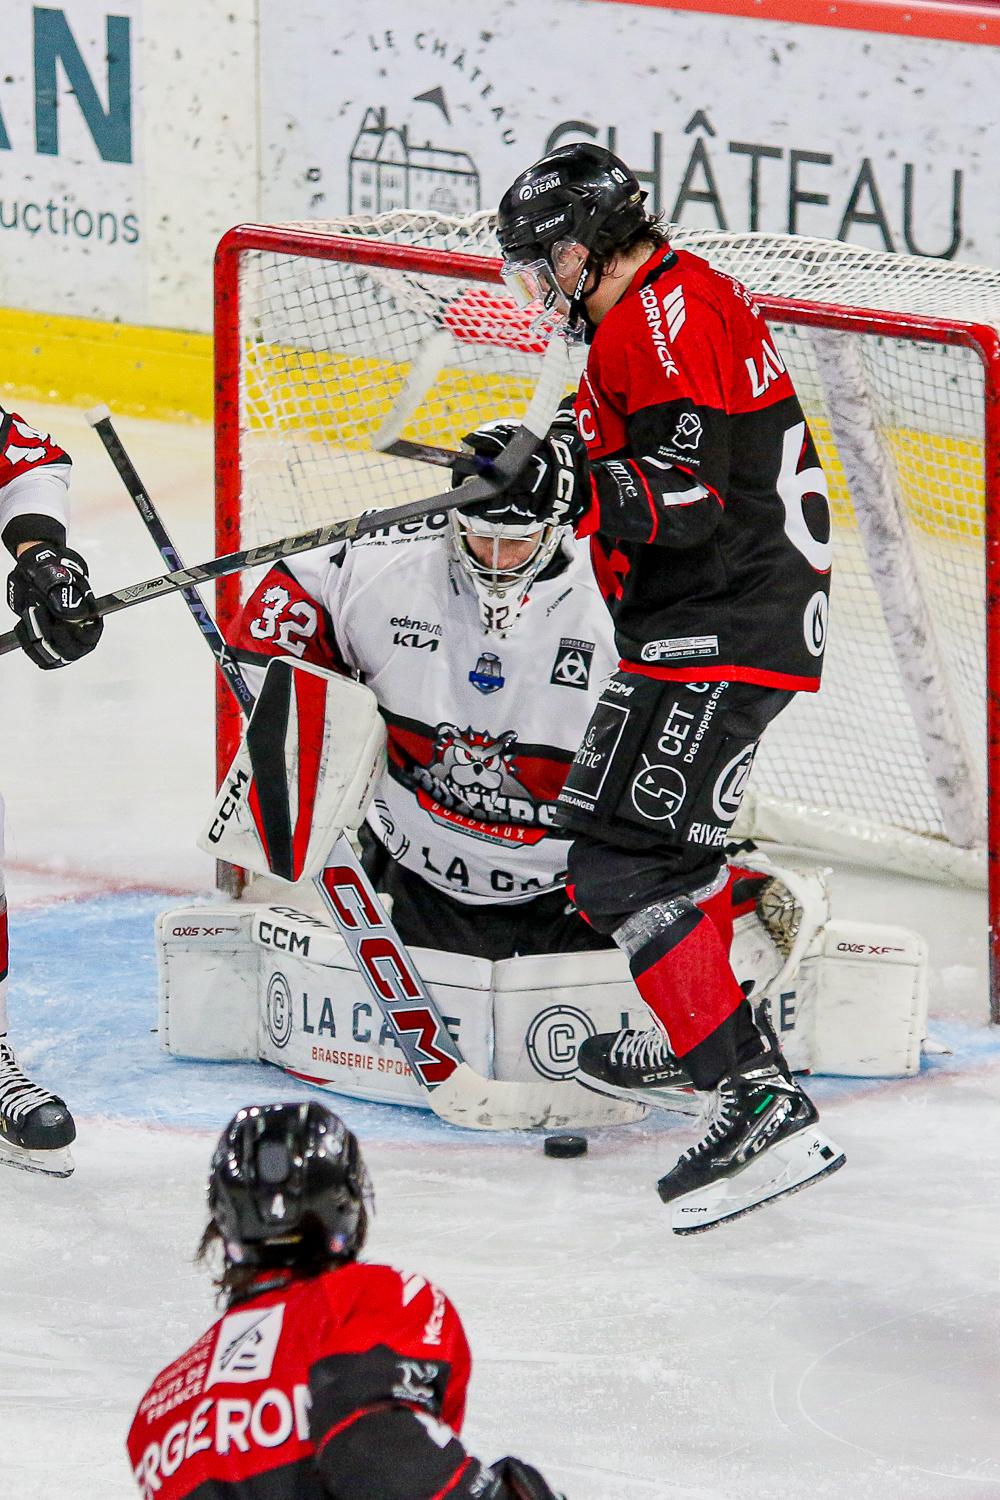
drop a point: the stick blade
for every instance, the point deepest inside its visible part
(466, 1098)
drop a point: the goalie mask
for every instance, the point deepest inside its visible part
(501, 555)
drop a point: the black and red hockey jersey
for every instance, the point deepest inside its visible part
(34, 476)
(351, 1383)
(710, 521)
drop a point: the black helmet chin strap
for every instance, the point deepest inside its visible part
(578, 311)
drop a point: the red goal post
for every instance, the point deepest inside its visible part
(330, 336)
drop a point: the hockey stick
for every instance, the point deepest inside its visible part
(500, 475)
(428, 453)
(424, 370)
(455, 1091)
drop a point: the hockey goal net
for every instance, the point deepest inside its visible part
(332, 339)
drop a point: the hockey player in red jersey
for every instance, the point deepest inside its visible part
(325, 1376)
(691, 469)
(50, 593)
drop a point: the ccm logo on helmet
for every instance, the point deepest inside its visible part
(225, 1425)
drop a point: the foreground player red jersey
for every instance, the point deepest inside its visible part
(324, 1377)
(273, 1400)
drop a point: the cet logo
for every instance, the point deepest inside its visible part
(279, 1010)
(814, 623)
(657, 793)
(732, 784)
(554, 1037)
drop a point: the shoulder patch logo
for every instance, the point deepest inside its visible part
(412, 1287)
(688, 434)
(571, 667)
(673, 307)
(246, 1346)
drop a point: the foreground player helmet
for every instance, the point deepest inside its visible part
(284, 1176)
(579, 195)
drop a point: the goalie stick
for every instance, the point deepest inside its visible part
(536, 423)
(455, 1091)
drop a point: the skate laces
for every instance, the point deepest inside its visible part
(720, 1113)
(640, 1049)
(18, 1095)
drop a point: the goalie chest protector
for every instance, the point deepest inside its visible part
(481, 729)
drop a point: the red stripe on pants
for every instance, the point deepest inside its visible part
(719, 910)
(692, 989)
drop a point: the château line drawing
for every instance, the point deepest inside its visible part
(386, 171)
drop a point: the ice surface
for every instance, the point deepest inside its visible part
(844, 1344)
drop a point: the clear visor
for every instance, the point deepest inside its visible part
(534, 283)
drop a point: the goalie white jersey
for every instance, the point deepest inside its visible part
(481, 729)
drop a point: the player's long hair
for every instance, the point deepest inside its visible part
(305, 1254)
(653, 231)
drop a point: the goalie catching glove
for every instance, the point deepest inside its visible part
(553, 488)
(50, 591)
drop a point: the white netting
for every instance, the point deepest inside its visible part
(335, 354)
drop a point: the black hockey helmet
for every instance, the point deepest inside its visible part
(579, 194)
(288, 1178)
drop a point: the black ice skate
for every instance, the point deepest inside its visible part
(36, 1128)
(636, 1065)
(761, 1143)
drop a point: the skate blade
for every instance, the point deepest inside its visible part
(682, 1101)
(787, 1168)
(56, 1163)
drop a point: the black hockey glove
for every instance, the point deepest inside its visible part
(519, 1481)
(51, 592)
(552, 489)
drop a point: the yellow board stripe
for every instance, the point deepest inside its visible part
(139, 372)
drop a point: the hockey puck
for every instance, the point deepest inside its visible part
(565, 1145)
